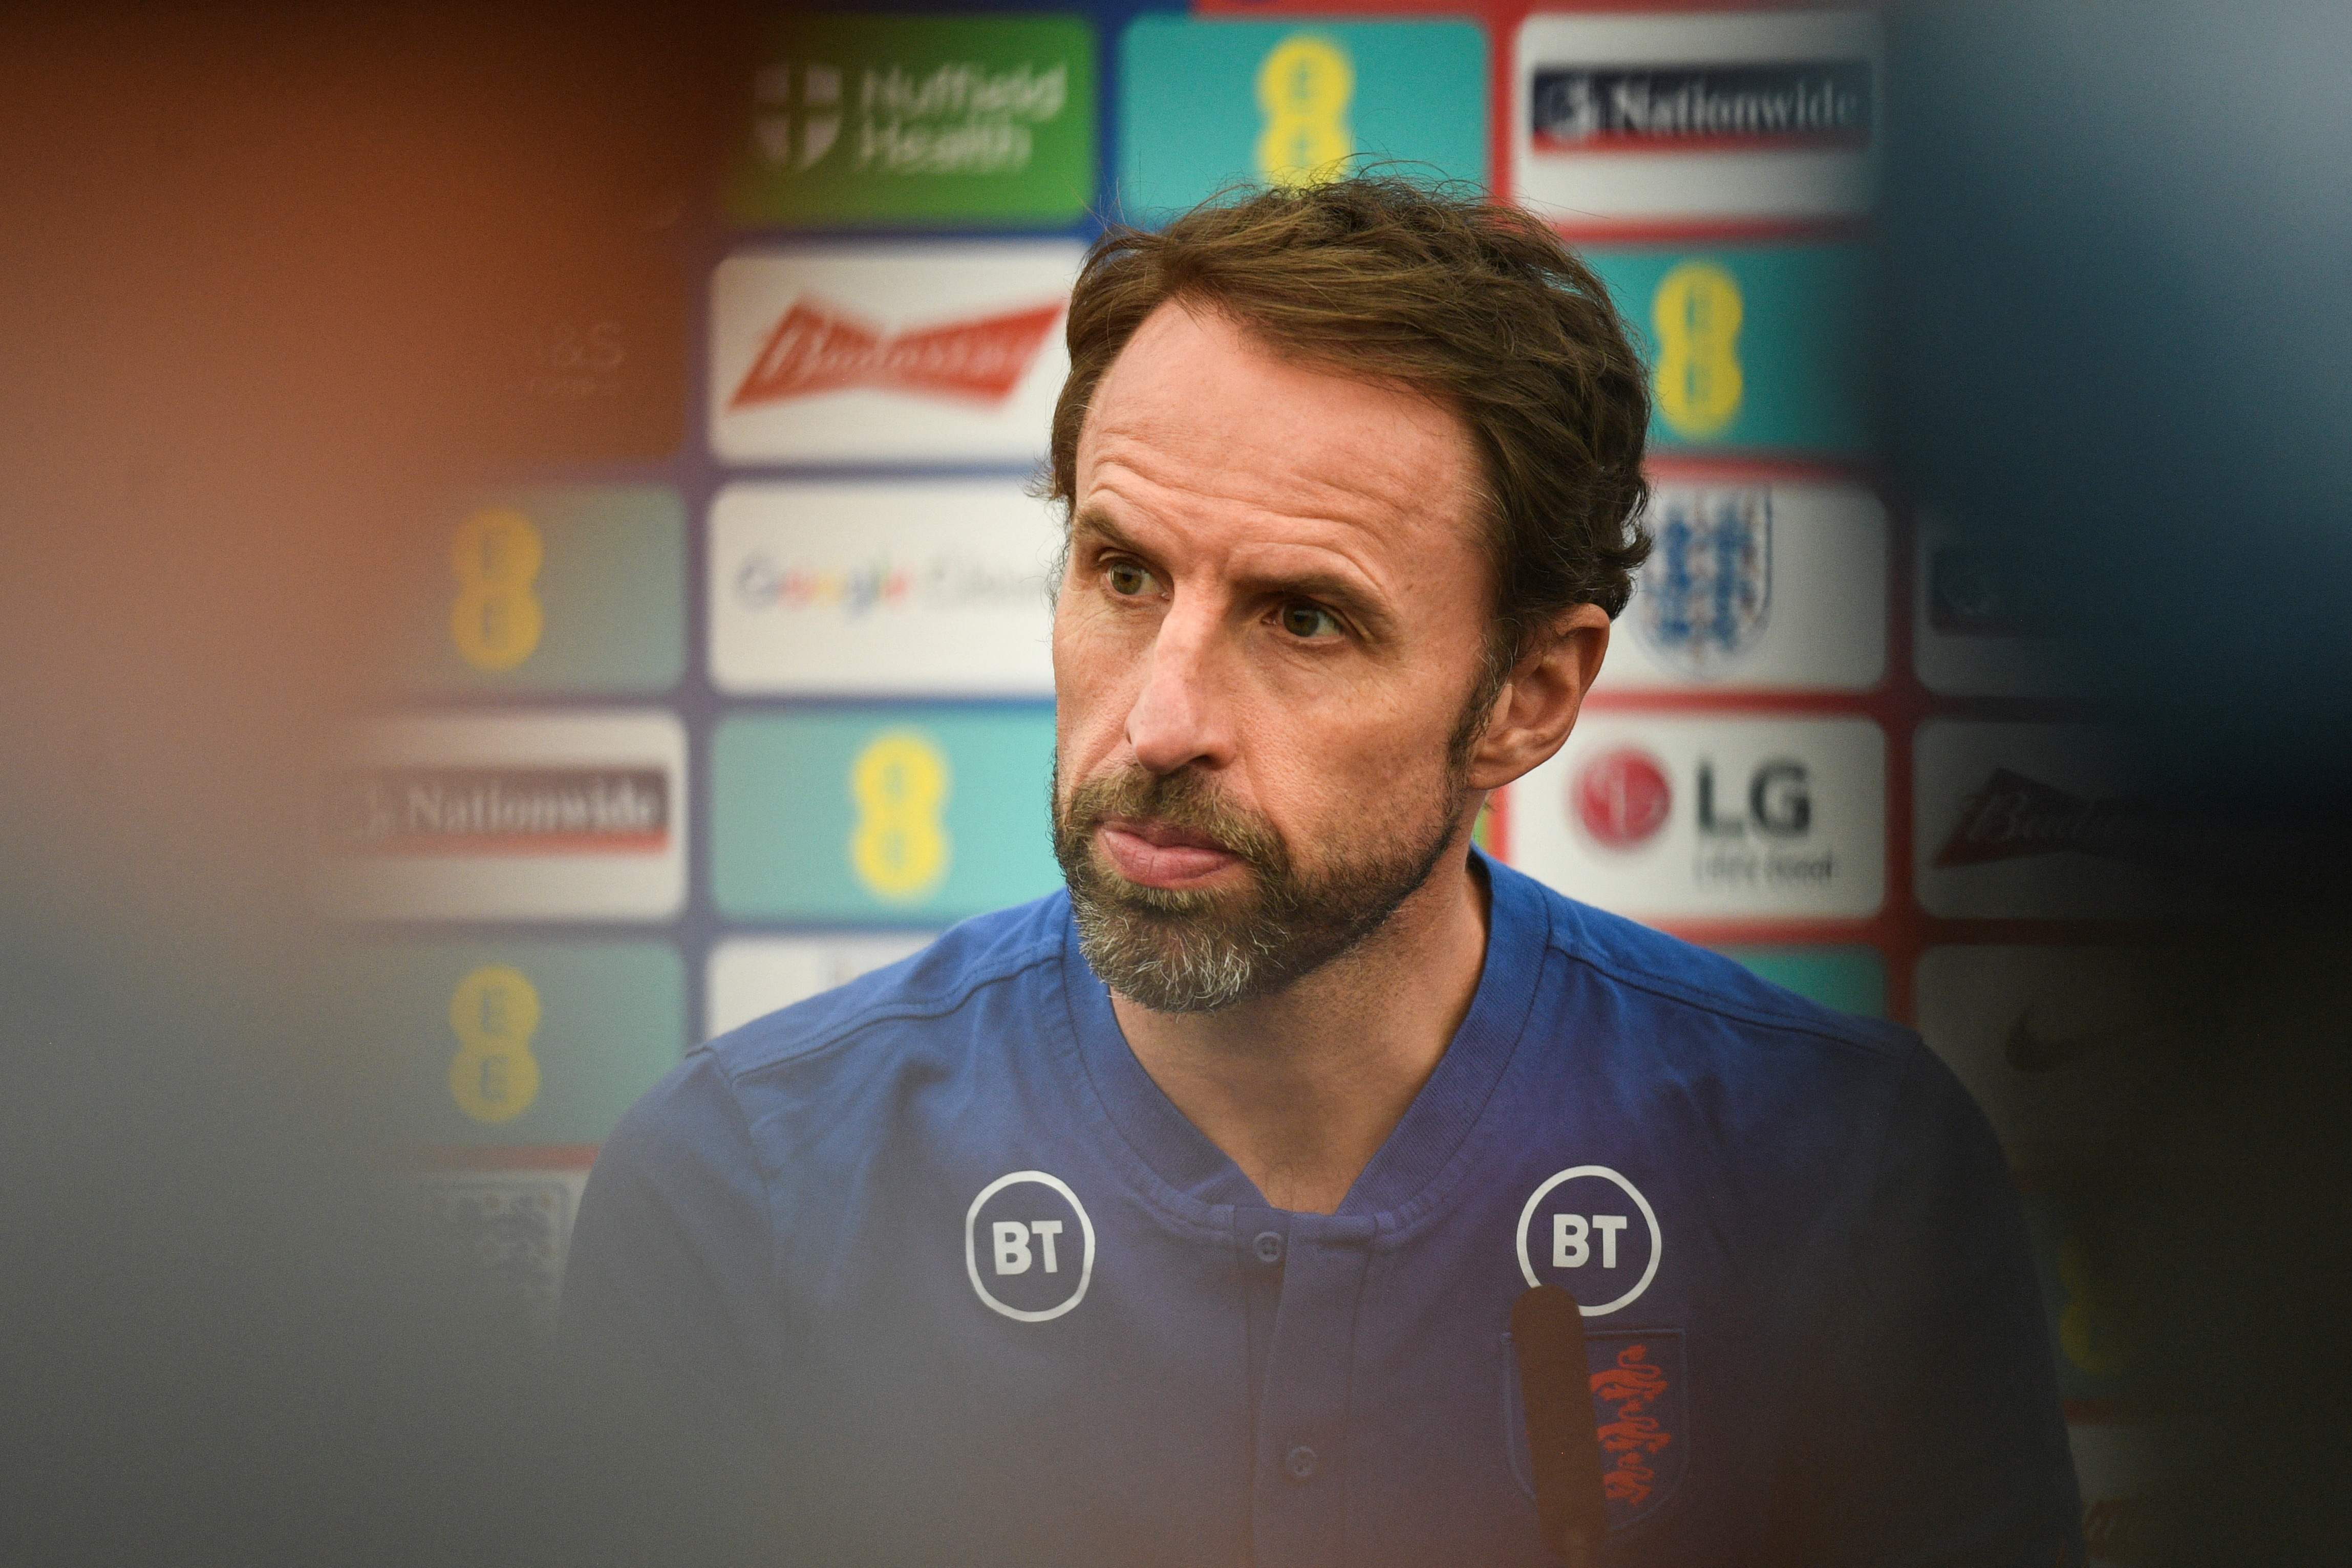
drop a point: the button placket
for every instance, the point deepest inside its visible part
(1298, 1507)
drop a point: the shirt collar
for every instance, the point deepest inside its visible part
(1433, 1126)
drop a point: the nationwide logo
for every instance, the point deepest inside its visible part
(2013, 817)
(498, 810)
(1705, 592)
(1741, 108)
(940, 582)
(958, 117)
(817, 348)
(1621, 798)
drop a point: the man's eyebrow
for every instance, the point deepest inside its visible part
(1091, 526)
(1095, 526)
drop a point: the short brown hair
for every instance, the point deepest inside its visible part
(1476, 305)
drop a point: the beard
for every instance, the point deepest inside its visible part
(1196, 950)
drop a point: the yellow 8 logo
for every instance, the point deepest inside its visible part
(1305, 84)
(494, 1012)
(899, 847)
(1697, 311)
(497, 619)
(2087, 1330)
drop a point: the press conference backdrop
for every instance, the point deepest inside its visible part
(743, 699)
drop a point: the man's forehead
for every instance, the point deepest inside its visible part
(1198, 405)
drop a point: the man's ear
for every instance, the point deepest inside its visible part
(1537, 704)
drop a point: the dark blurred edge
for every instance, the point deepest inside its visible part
(2118, 328)
(275, 281)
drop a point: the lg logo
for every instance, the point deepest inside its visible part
(1780, 802)
(1622, 798)
(1024, 1268)
(1604, 1236)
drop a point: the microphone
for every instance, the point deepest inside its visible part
(1563, 1448)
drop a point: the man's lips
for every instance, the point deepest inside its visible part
(1158, 854)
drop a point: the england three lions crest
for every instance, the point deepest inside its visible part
(1706, 590)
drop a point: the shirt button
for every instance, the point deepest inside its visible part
(1268, 1247)
(1300, 1462)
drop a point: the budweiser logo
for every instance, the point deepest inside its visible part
(817, 348)
(2013, 816)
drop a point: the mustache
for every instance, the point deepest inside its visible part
(1185, 799)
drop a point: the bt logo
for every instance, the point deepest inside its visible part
(1028, 1247)
(1590, 1230)
(1012, 1253)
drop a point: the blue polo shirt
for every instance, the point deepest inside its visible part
(937, 1245)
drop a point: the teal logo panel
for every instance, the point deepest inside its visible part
(915, 815)
(1752, 348)
(577, 588)
(2091, 1326)
(513, 1042)
(1203, 104)
(1850, 979)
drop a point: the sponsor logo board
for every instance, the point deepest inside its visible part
(2092, 1324)
(2046, 1038)
(1623, 117)
(512, 1229)
(1203, 104)
(864, 587)
(926, 353)
(512, 1041)
(1752, 346)
(556, 589)
(751, 977)
(1765, 585)
(1687, 817)
(1985, 619)
(933, 119)
(2033, 821)
(908, 815)
(507, 817)
(2115, 1467)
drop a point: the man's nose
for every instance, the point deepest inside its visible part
(1182, 714)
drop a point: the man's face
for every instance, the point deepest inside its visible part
(1272, 618)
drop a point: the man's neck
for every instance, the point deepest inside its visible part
(1301, 1088)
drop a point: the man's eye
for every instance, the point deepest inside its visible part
(1304, 620)
(1126, 579)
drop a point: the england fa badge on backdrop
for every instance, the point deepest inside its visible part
(1706, 590)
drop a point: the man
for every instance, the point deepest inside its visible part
(1178, 1218)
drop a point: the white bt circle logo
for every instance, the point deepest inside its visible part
(1590, 1230)
(1028, 1247)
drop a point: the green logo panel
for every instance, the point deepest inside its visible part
(1206, 103)
(882, 815)
(1850, 979)
(884, 121)
(1752, 346)
(553, 589)
(521, 1042)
